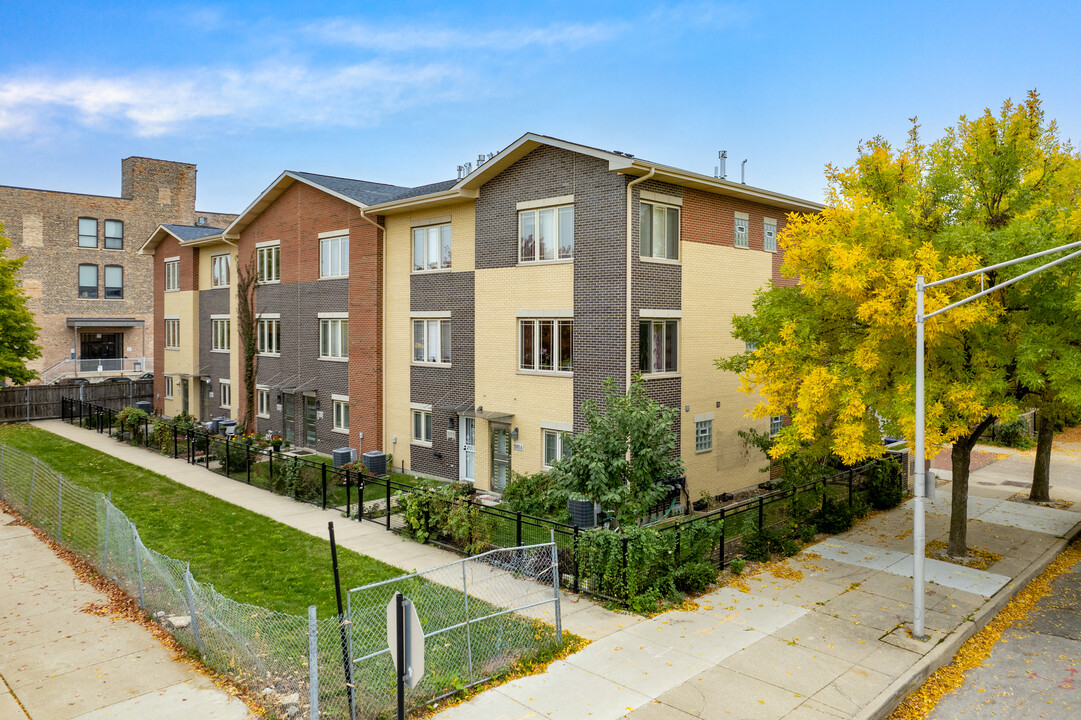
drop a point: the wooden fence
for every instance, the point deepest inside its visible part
(42, 402)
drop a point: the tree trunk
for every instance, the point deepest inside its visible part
(1041, 471)
(961, 457)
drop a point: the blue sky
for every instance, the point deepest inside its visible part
(403, 92)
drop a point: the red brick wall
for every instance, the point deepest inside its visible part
(189, 280)
(366, 333)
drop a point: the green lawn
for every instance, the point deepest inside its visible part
(247, 556)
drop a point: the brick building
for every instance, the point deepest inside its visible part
(90, 291)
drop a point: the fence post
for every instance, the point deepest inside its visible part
(626, 593)
(348, 493)
(313, 664)
(427, 519)
(324, 474)
(247, 460)
(518, 530)
(146, 432)
(555, 584)
(105, 550)
(1, 472)
(387, 481)
(176, 450)
(227, 446)
(679, 541)
(30, 500)
(850, 471)
(27, 403)
(206, 452)
(110, 422)
(135, 542)
(761, 527)
(191, 611)
(724, 534)
(59, 506)
(577, 562)
(468, 637)
(270, 467)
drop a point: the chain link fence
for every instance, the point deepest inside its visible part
(295, 663)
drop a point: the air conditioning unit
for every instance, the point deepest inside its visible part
(376, 462)
(583, 512)
(343, 456)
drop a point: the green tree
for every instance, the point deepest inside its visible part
(837, 352)
(18, 333)
(247, 278)
(623, 459)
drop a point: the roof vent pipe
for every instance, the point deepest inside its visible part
(743, 172)
(721, 173)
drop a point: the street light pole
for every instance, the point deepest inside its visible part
(918, 526)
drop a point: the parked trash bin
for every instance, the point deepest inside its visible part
(227, 427)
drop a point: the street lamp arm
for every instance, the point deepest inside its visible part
(1033, 256)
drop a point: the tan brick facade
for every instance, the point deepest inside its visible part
(44, 226)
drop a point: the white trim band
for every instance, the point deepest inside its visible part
(545, 202)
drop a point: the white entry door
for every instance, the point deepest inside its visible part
(467, 461)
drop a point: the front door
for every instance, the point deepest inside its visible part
(468, 454)
(184, 401)
(310, 415)
(287, 416)
(500, 457)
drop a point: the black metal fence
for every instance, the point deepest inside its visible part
(400, 506)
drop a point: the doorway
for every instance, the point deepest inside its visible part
(467, 460)
(500, 457)
(288, 418)
(310, 416)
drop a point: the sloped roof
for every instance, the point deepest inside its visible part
(184, 233)
(363, 191)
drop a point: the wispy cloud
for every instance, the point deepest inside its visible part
(410, 38)
(272, 94)
(701, 15)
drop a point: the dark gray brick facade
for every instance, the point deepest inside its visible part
(214, 365)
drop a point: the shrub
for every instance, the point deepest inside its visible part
(1013, 434)
(435, 499)
(694, 577)
(470, 528)
(885, 484)
(162, 433)
(238, 456)
(759, 544)
(737, 566)
(807, 532)
(134, 421)
(537, 494)
(292, 480)
(835, 516)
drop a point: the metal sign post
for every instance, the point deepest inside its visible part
(405, 638)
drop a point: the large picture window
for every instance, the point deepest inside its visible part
(431, 248)
(268, 264)
(114, 282)
(658, 228)
(219, 271)
(219, 330)
(172, 334)
(269, 336)
(88, 282)
(546, 345)
(172, 275)
(431, 341)
(334, 257)
(334, 339)
(658, 343)
(114, 235)
(88, 232)
(546, 234)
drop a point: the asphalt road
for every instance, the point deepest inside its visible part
(1034, 670)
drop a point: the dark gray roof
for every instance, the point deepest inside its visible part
(425, 189)
(192, 232)
(367, 193)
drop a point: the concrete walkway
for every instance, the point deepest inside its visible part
(580, 615)
(61, 662)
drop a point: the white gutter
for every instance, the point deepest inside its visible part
(630, 243)
(383, 335)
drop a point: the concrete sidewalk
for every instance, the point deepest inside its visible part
(579, 614)
(61, 662)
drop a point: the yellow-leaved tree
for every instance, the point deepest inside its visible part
(837, 352)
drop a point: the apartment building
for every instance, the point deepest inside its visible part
(460, 326)
(91, 292)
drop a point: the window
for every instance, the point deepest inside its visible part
(219, 334)
(88, 232)
(422, 426)
(114, 235)
(334, 339)
(546, 234)
(431, 341)
(269, 336)
(114, 282)
(268, 264)
(172, 334)
(341, 413)
(262, 402)
(88, 281)
(658, 228)
(168, 387)
(334, 257)
(219, 271)
(553, 446)
(431, 248)
(769, 235)
(546, 345)
(703, 435)
(658, 342)
(741, 239)
(226, 393)
(172, 275)
(776, 422)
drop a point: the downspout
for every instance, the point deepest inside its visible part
(383, 335)
(630, 244)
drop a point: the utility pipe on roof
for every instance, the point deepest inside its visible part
(383, 333)
(630, 243)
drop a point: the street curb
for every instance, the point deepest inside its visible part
(888, 700)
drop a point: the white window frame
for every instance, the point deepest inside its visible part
(341, 411)
(268, 263)
(653, 255)
(172, 274)
(776, 422)
(422, 241)
(225, 389)
(334, 338)
(331, 249)
(559, 435)
(220, 338)
(262, 401)
(441, 325)
(769, 234)
(741, 231)
(533, 216)
(653, 321)
(424, 413)
(534, 324)
(703, 441)
(218, 264)
(172, 333)
(263, 324)
(168, 387)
